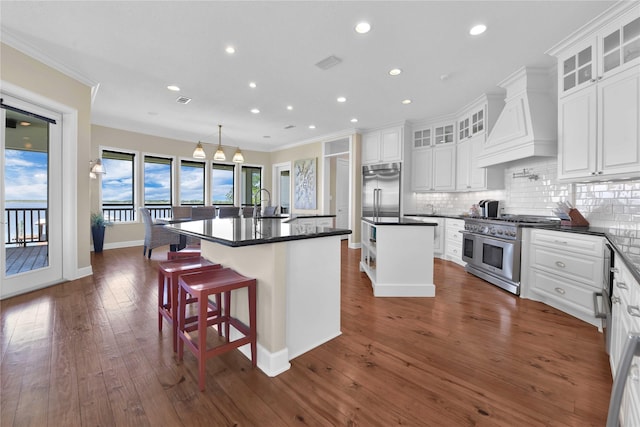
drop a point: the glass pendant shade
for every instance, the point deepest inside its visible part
(238, 157)
(219, 156)
(199, 153)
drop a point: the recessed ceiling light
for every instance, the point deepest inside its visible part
(230, 49)
(341, 99)
(173, 88)
(289, 107)
(255, 110)
(354, 120)
(406, 101)
(363, 28)
(312, 126)
(252, 85)
(478, 29)
(395, 72)
(25, 124)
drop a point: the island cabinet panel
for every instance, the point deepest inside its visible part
(398, 259)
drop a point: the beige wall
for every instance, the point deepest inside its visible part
(307, 151)
(148, 144)
(27, 73)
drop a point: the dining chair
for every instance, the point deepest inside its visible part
(179, 212)
(228, 212)
(247, 211)
(203, 212)
(269, 210)
(156, 235)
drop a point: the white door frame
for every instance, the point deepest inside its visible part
(67, 192)
(276, 168)
(326, 179)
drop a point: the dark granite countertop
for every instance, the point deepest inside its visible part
(450, 216)
(397, 221)
(247, 231)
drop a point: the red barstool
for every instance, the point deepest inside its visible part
(188, 252)
(200, 286)
(168, 273)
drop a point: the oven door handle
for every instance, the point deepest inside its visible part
(596, 307)
(488, 236)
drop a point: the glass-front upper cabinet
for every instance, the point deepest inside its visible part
(422, 138)
(444, 134)
(477, 122)
(463, 129)
(615, 47)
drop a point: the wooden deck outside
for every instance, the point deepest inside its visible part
(26, 258)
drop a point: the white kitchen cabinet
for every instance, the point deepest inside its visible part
(383, 146)
(471, 177)
(599, 98)
(599, 129)
(626, 320)
(563, 270)
(434, 168)
(453, 240)
(444, 167)
(422, 169)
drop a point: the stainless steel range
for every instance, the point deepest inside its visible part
(491, 247)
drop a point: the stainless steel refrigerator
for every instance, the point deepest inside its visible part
(381, 190)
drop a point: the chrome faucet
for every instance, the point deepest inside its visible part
(258, 193)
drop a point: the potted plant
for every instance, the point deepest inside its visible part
(98, 225)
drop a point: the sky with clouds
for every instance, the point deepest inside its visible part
(25, 175)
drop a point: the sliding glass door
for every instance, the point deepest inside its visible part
(31, 183)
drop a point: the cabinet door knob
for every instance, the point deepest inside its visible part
(614, 270)
(615, 300)
(593, 173)
(600, 172)
(560, 264)
(560, 291)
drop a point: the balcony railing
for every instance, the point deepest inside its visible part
(127, 213)
(28, 226)
(25, 226)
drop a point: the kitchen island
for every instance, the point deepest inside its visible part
(397, 255)
(298, 274)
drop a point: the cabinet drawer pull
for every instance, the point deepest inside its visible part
(615, 300)
(622, 285)
(633, 310)
(560, 264)
(560, 291)
(562, 242)
(634, 373)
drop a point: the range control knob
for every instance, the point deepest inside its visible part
(500, 231)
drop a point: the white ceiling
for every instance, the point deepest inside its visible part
(133, 50)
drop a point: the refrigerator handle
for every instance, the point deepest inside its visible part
(375, 202)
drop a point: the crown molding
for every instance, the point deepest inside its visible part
(11, 39)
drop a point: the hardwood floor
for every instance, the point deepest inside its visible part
(88, 352)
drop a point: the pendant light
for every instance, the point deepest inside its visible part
(199, 153)
(219, 156)
(238, 157)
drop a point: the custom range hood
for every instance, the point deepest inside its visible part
(528, 124)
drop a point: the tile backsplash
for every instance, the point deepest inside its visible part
(604, 204)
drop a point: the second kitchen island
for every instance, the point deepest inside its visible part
(297, 269)
(397, 255)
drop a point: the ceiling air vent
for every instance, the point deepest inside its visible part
(328, 62)
(183, 100)
(289, 126)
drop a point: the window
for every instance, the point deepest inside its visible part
(117, 186)
(222, 184)
(251, 183)
(191, 182)
(157, 183)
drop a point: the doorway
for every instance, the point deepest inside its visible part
(31, 182)
(281, 186)
(338, 195)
